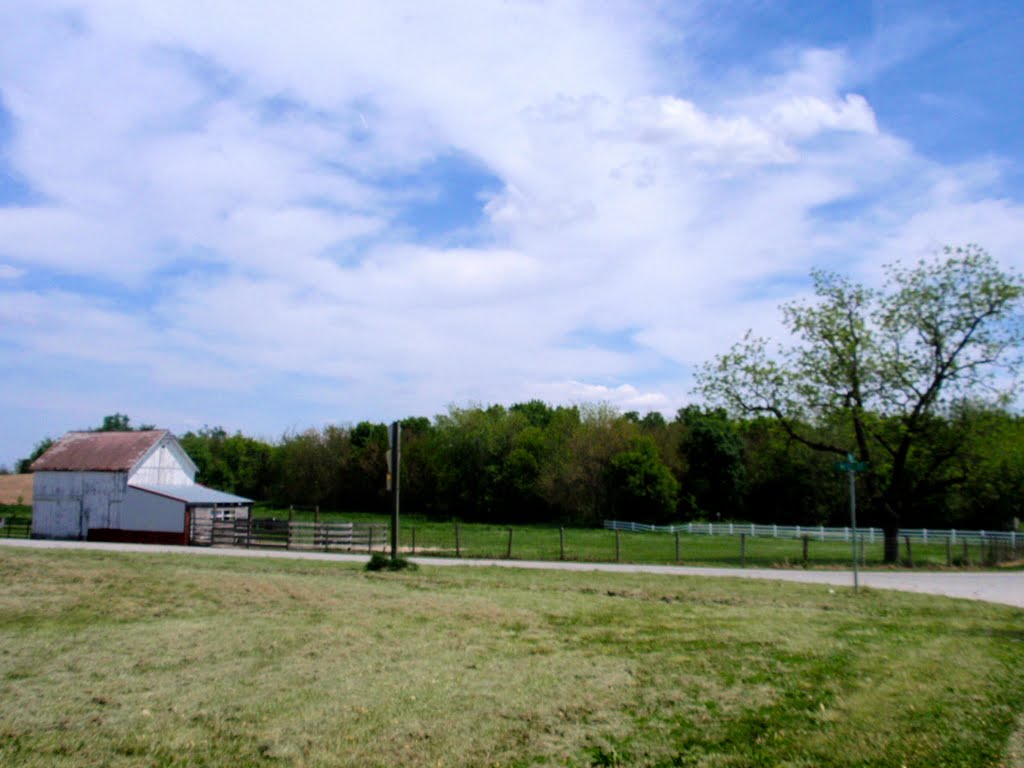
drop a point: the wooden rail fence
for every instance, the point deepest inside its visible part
(284, 534)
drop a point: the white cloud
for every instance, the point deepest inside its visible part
(236, 190)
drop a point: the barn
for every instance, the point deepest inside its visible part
(123, 486)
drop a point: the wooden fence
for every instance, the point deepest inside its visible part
(284, 534)
(15, 527)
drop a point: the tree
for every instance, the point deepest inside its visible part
(25, 465)
(882, 365)
(714, 477)
(642, 486)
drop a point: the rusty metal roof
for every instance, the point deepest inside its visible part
(98, 451)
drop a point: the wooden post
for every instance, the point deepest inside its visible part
(508, 553)
(316, 514)
(561, 543)
(949, 552)
(743, 550)
(806, 541)
(677, 546)
(618, 547)
(369, 538)
(910, 554)
(395, 466)
(414, 539)
(291, 512)
(458, 543)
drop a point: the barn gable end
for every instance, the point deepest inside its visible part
(166, 463)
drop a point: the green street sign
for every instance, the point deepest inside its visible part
(851, 465)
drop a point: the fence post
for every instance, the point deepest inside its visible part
(775, 531)
(618, 547)
(910, 554)
(458, 543)
(677, 546)
(369, 538)
(743, 550)
(924, 535)
(806, 540)
(414, 540)
(291, 512)
(316, 514)
(561, 543)
(508, 554)
(949, 552)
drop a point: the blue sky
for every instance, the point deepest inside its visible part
(280, 215)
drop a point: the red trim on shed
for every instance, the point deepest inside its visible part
(178, 538)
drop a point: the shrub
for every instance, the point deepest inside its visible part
(381, 562)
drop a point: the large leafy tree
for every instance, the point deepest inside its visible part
(642, 486)
(883, 364)
(715, 476)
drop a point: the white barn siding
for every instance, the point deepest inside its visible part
(152, 512)
(167, 464)
(66, 505)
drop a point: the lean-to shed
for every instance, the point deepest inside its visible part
(123, 486)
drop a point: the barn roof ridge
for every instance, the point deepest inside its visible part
(83, 451)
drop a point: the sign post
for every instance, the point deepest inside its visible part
(394, 476)
(851, 466)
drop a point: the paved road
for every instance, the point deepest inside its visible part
(1005, 587)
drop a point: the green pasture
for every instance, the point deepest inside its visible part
(426, 537)
(544, 542)
(110, 659)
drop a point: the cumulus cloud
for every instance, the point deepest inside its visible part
(244, 193)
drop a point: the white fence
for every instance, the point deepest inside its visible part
(820, 532)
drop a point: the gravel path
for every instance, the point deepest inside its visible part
(1005, 587)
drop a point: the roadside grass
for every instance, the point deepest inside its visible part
(173, 660)
(543, 542)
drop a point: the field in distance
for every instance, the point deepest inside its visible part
(167, 660)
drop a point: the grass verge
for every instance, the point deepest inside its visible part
(161, 660)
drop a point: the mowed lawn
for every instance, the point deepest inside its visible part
(177, 660)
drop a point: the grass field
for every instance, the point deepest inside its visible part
(545, 542)
(542, 542)
(163, 660)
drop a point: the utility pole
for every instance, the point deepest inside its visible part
(394, 479)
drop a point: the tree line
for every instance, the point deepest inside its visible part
(580, 465)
